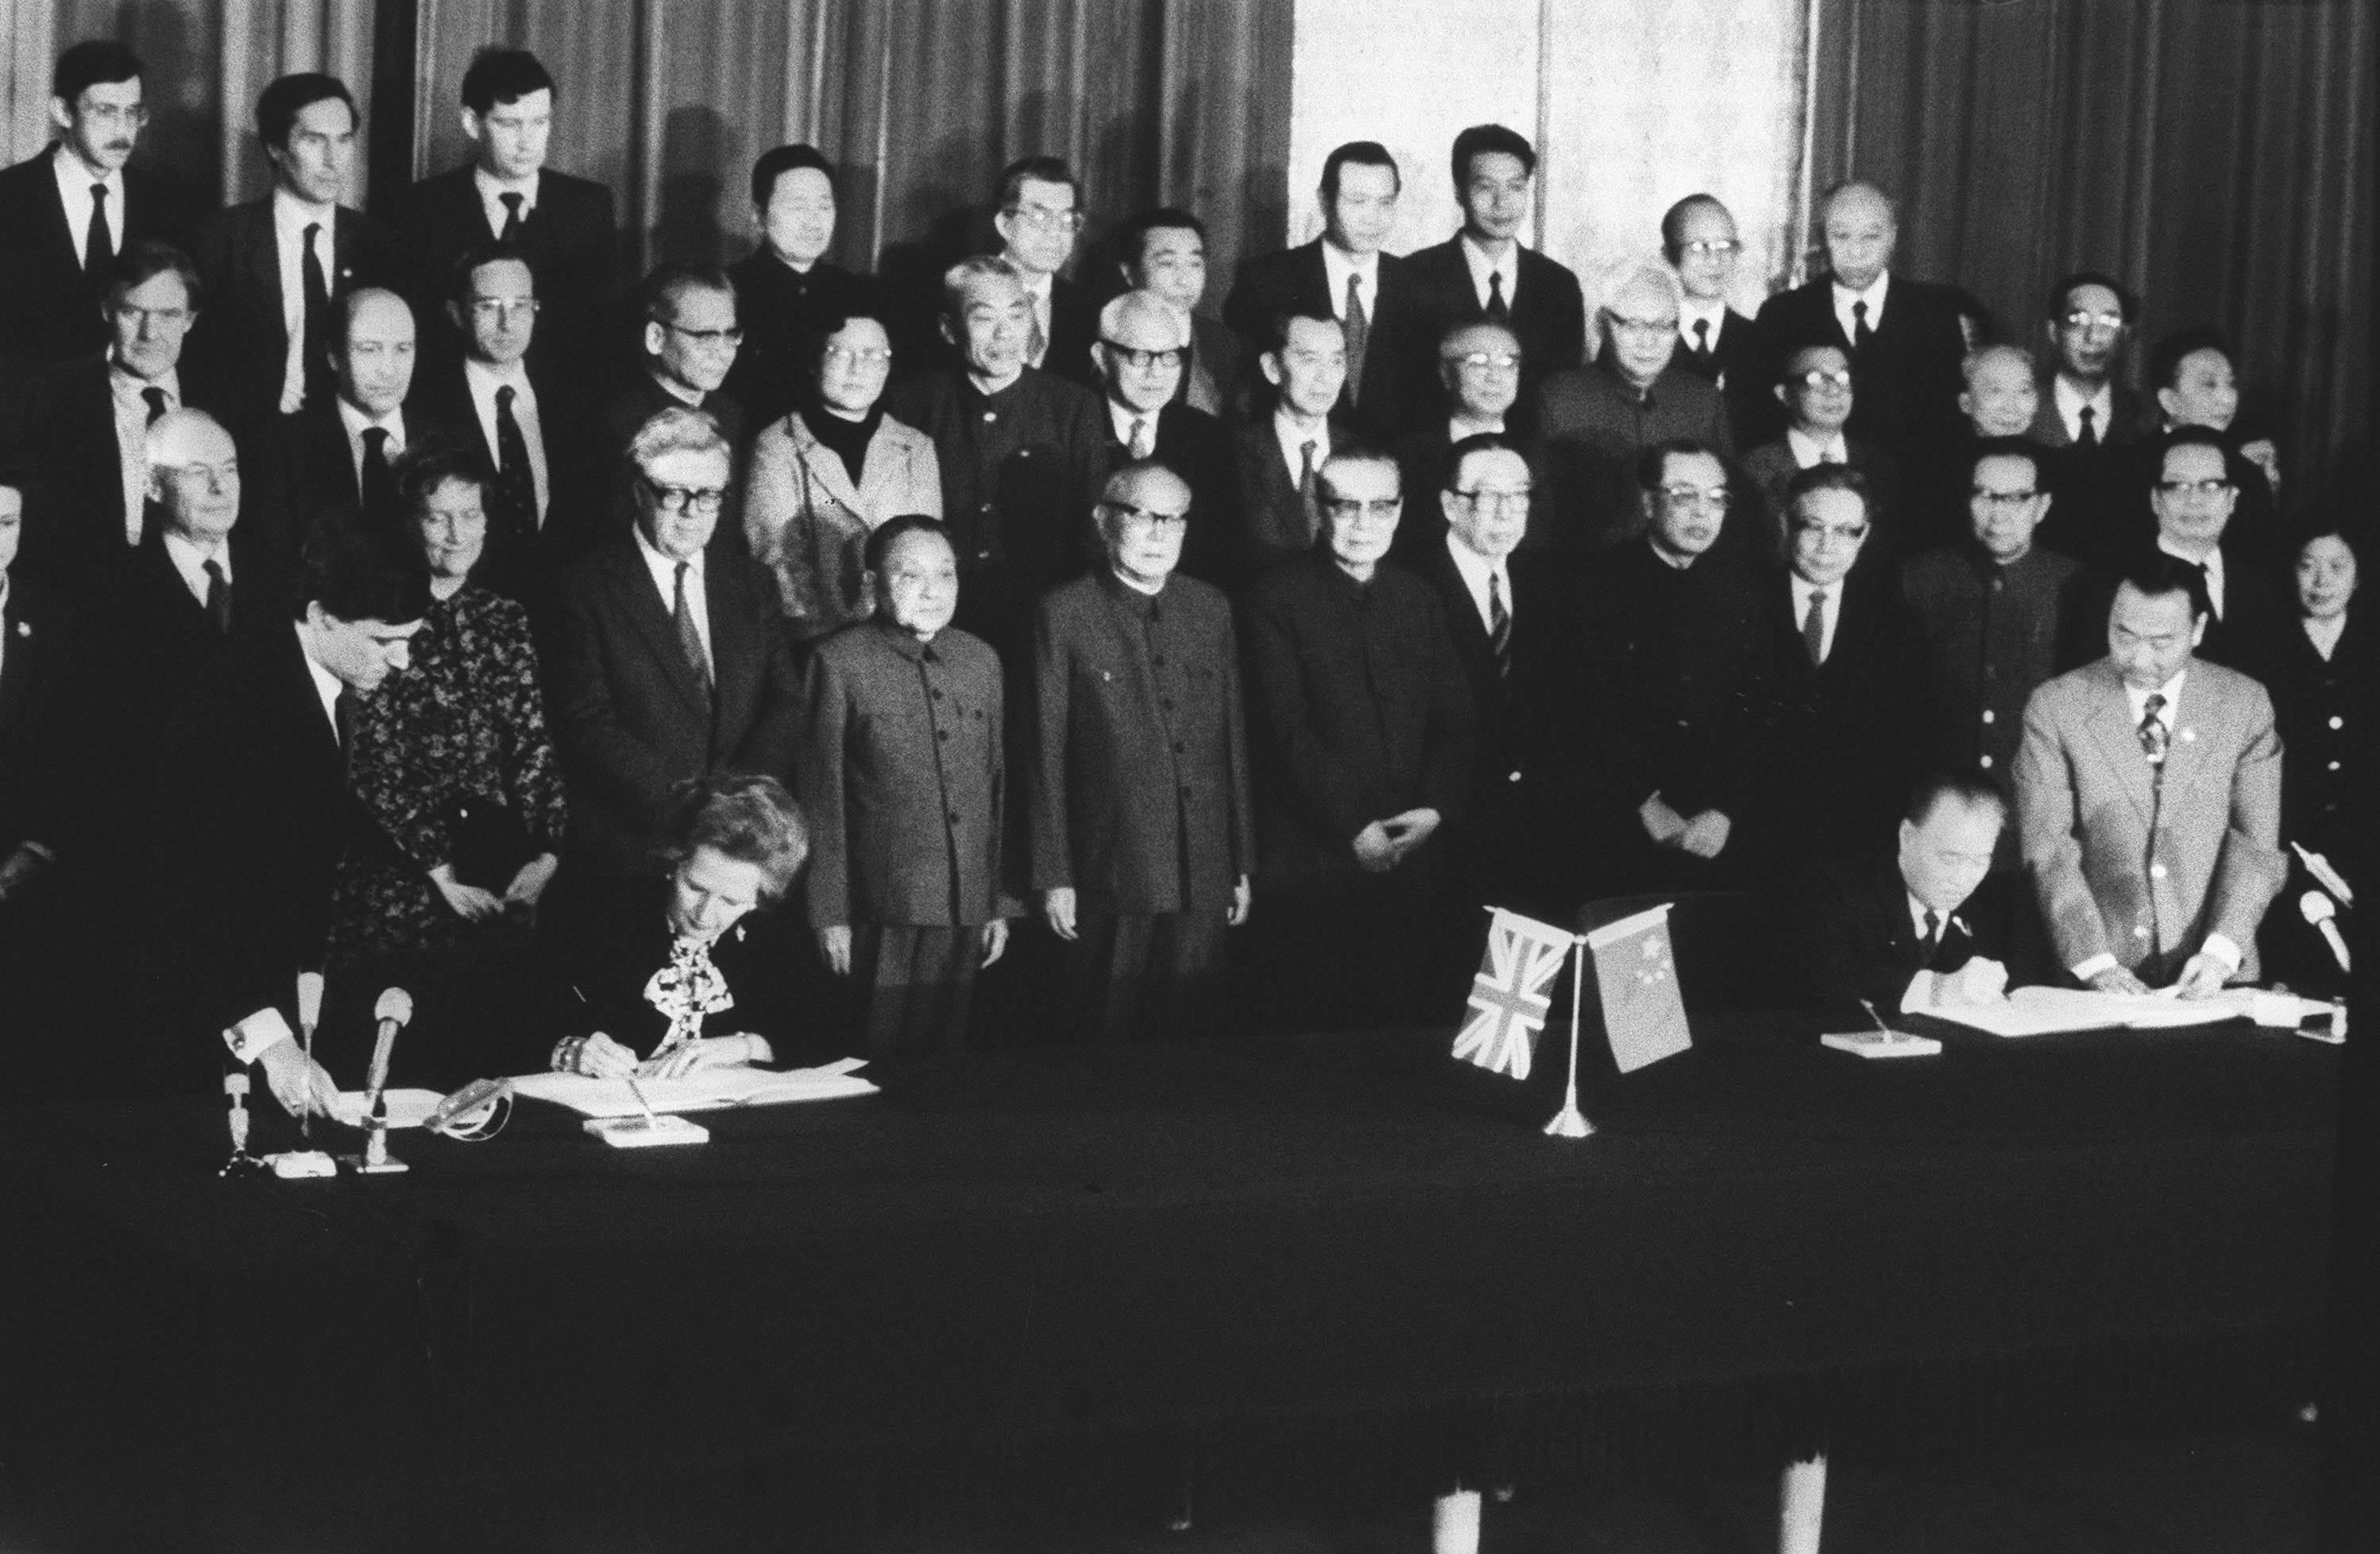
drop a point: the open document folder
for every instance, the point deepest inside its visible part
(2040, 1011)
(706, 1089)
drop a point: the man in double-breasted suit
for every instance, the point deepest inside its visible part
(2149, 788)
(1143, 833)
(270, 268)
(901, 775)
(667, 661)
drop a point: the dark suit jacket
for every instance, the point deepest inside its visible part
(1138, 793)
(1744, 368)
(510, 566)
(1296, 280)
(1770, 466)
(1549, 314)
(782, 310)
(569, 239)
(40, 791)
(1074, 330)
(629, 718)
(311, 470)
(2318, 705)
(49, 309)
(1359, 708)
(1217, 377)
(1270, 522)
(1905, 386)
(635, 400)
(1194, 445)
(239, 346)
(1857, 941)
(1593, 423)
(74, 518)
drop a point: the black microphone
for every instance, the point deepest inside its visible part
(393, 1010)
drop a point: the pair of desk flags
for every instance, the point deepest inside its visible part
(1636, 983)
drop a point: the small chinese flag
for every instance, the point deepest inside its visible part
(1636, 978)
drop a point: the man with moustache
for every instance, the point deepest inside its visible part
(1143, 831)
(1714, 342)
(1164, 251)
(1144, 343)
(68, 213)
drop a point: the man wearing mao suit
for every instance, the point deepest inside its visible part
(1714, 342)
(1143, 830)
(1342, 275)
(270, 268)
(1929, 927)
(562, 225)
(1484, 272)
(902, 774)
(667, 661)
(2149, 789)
(1905, 338)
(1144, 343)
(66, 213)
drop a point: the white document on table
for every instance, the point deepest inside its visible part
(706, 1089)
(2042, 1011)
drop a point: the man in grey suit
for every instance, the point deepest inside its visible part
(2149, 790)
(1143, 831)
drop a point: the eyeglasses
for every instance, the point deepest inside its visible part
(1849, 534)
(2194, 488)
(686, 499)
(1723, 248)
(2004, 498)
(1716, 499)
(1482, 361)
(2106, 323)
(1648, 327)
(731, 336)
(1346, 508)
(1041, 218)
(499, 308)
(1140, 360)
(1493, 500)
(1815, 381)
(843, 356)
(1145, 518)
(165, 318)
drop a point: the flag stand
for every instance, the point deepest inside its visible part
(1571, 1122)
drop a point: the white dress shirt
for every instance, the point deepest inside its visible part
(354, 421)
(74, 191)
(291, 217)
(1808, 450)
(491, 192)
(127, 392)
(1476, 570)
(1873, 297)
(1337, 266)
(482, 381)
(191, 558)
(1923, 987)
(1481, 266)
(327, 685)
(1709, 310)
(2071, 401)
(2213, 565)
(1121, 416)
(2171, 690)
(1293, 439)
(697, 602)
(1832, 609)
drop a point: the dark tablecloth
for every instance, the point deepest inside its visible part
(1023, 1249)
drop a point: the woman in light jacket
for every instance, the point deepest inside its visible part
(823, 479)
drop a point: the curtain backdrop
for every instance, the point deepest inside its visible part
(2216, 155)
(921, 102)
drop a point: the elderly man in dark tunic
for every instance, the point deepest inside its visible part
(900, 772)
(1364, 738)
(1997, 614)
(1022, 452)
(1143, 830)
(1596, 420)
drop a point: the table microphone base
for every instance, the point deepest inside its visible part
(364, 1167)
(300, 1165)
(640, 1133)
(1570, 1122)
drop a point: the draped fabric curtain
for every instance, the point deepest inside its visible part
(205, 61)
(2216, 155)
(920, 101)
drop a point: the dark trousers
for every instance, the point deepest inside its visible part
(915, 982)
(1143, 976)
(1346, 951)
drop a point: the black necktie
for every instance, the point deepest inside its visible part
(2154, 737)
(218, 596)
(2088, 437)
(511, 203)
(1500, 628)
(689, 637)
(318, 319)
(1499, 310)
(157, 406)
(1702, 344)
(1813, 628)
(378, 486)
(1933, 936)
(1861, 332)
(96, 248)
(515, 481)
(1359, 330)
(1308, 497)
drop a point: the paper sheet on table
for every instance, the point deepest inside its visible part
(406, 1109)
(2041, 1011)
(706, 1089)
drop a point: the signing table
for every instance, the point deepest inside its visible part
(1330, 1240)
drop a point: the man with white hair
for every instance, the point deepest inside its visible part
(1598, 418)
(1144, 346)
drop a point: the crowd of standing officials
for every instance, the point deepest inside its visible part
(773, 662)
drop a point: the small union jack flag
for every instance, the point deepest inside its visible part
(1509, 998)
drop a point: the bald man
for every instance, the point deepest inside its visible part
(336, 453)
(1699, 239)
(1143, 349)
(1599, 419)
(1905, 338)
(1143, 834)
